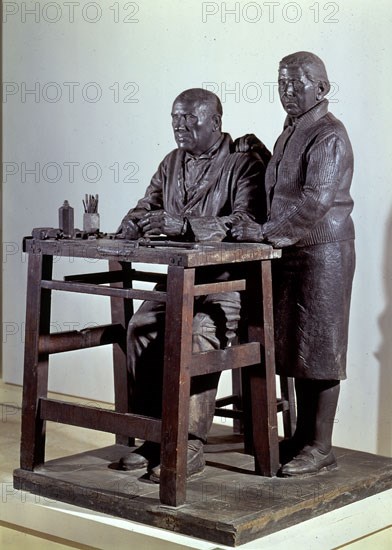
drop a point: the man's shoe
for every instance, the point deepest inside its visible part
(308, 462)
(195, 461)
(142, 457)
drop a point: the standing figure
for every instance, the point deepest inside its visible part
(199, 191)
(308, 201)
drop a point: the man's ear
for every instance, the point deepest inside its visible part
(217, 122)
(322, 89)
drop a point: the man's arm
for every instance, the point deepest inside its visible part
(250, 142)
(152, 201)
(248, 200)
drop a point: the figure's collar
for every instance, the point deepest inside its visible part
(308, 118)
(210, 152)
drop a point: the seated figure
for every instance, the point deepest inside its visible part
(199, 190)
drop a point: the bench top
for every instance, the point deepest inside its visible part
(155, 251)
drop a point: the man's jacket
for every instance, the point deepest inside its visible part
(231, 187)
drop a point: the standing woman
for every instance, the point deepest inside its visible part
(309, 205)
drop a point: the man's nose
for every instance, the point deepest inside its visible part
(289, 89)
(180, 123)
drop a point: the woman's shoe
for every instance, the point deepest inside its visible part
(310, 461)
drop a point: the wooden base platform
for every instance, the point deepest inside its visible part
(226, 504)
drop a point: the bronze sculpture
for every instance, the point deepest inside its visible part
(309, 205)
(199, 190)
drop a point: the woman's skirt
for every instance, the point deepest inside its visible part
(312, 292)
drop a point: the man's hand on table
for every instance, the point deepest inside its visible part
(160, 222)
(128, 230)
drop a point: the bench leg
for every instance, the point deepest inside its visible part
(176, 385)
(262, 377)
(35, 378)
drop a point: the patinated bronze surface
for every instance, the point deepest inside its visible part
(180, 360)
(199, 190)
(226, 504)
(309, 205)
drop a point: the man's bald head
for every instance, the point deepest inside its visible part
(196, 120)
(203, 97)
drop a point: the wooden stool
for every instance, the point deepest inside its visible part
(180, 364)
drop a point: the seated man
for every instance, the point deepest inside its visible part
(199, 190)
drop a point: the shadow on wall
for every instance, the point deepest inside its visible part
(384, 354)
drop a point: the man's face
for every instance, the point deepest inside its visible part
(195, 128)
(297, 93)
